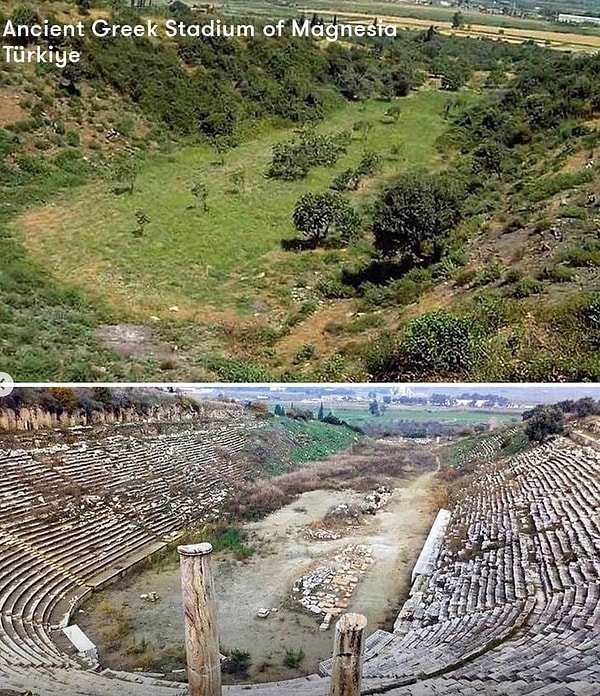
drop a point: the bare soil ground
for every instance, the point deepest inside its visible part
(283, 553)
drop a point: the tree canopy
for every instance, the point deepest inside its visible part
(317, 214)
(542, 422)
(413, 218)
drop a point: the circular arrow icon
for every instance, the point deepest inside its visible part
(7, 384)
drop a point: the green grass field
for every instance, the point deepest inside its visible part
(194, 259)
(449, 416)
(360, 414)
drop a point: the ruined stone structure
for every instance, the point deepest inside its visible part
(510, 607)
(31, 418)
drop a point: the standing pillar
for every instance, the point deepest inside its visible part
(200, 619)
(348, 654)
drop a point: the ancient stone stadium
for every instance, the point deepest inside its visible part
(505, 597)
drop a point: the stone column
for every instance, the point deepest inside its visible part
(348, 654)
(200, 618)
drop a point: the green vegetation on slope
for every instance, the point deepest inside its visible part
(317, 440)
(93, 226)
(181, 255)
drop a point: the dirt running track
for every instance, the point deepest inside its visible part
(395, 534)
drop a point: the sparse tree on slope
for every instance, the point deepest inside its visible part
(413, 218)
(316, 214)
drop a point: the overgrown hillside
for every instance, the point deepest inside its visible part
(420, 207)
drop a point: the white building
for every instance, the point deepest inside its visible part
(577, 19)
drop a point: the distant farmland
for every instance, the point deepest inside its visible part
(408, 16)
(358, 414)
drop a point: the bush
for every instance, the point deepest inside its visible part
(343, 181)
(574, 212)
(236, 370)
(465, 276)
(72, 138)
(487, 275)
(316, 215)
(550, 185)
(440, 343)
(332, 369)
(513, 275)
(515, 224)
(237, 662)
(259, 499)
(557, 274)
(306, 309)
(292, 159)
(586, 255)
(412, 218)
(293, 658)
(307, 351)
(334, 289)
(32, 164)
(526, 287)
(436, 345)
(542, 422)
(368, 165)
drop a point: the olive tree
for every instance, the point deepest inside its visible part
(317, 214)
(413, 218)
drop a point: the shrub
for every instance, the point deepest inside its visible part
(526, 287)
(412, 218)
(436, 345)
(557, 274)
(316, 215)
(408, 289)
(542, 422)
(368, 165)
(514, 224)
(259, 499)
(72, 138)
(334, 289)
(487, 275)
(293, 658)
(31, 163)
(573, 211)
(332, 369)
(513, 275)
(440, 343)
(305, 310)
(236, 370)
(292, 159)
(465, 276)
(237, 662)
(548, 186)
(344, 180)
(586, 255)
(307, 351)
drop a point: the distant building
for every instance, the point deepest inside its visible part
(577, 19)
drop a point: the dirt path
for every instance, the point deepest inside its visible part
(395, 534)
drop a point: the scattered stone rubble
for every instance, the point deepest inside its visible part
(326, 590)
(150, 596)
(376, 500)
(349, 515)
(322, 534)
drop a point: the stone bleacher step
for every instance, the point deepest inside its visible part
(373, 645)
